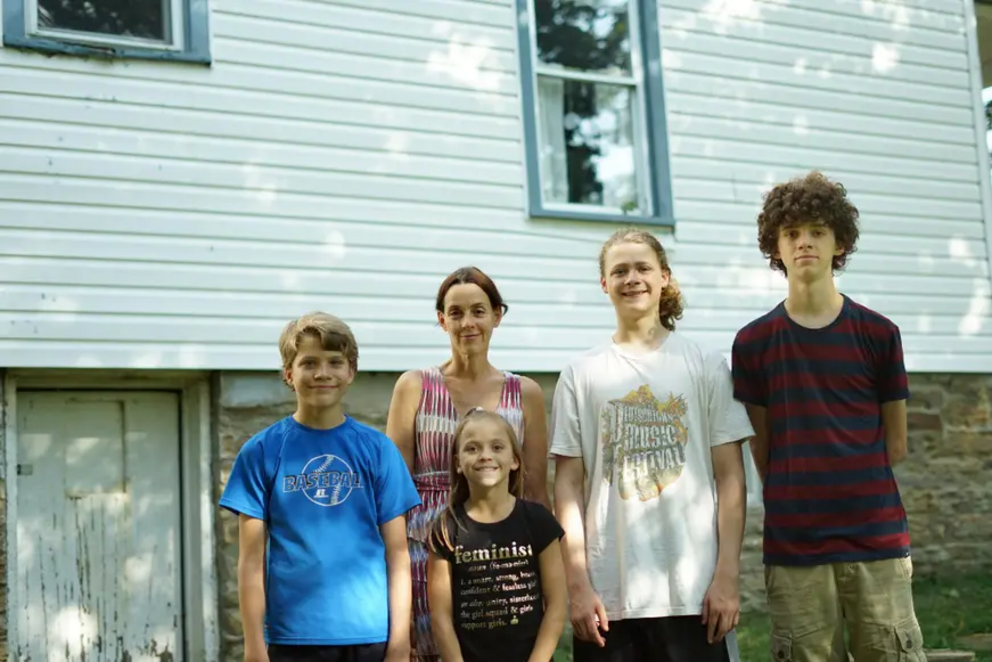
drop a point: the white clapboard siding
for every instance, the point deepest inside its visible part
(347, 155)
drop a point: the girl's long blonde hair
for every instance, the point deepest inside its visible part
(459, 483)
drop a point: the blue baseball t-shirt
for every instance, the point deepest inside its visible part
(323, 495)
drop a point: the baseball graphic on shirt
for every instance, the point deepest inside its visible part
(644, 442)
(326, 480)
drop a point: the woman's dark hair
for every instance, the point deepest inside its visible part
(670, 305)
(471, 276)
(811, 198)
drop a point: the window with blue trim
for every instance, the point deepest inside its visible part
(593, 109)
(145, 29)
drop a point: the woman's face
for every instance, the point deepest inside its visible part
(469, 319)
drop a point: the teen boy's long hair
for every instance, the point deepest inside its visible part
(459, 483)
(670, 304)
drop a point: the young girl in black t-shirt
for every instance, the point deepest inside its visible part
(496, 582)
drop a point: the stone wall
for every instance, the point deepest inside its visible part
(946, 482)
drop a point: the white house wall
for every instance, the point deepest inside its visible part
(346, 156)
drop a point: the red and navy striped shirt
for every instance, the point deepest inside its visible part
(830, 495)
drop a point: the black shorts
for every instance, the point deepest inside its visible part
(355, 653)
(669, 639)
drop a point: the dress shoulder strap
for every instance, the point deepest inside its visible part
(434, 398)
(512, 392)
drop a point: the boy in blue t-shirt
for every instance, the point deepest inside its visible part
(321, 502)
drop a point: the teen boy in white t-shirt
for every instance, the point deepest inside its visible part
(649, 481)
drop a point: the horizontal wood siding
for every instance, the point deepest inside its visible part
(347, 155)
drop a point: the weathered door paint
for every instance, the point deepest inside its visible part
(98, 527)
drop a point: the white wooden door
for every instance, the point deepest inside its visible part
(98, 527)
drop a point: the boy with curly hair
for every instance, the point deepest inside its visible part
(825, 386)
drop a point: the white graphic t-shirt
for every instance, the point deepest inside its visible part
(644, 425)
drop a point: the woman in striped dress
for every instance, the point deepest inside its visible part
(427, 405)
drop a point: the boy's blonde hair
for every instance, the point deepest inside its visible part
(670, 305)
(334, 335)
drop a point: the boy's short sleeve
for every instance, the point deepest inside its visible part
(728, 419)
(247, 489)
(395, 493)
(893, 383)
(544, 527)
(566, 432)
(749, 386)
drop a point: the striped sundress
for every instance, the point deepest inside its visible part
(433, 435)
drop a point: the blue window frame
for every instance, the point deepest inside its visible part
(148, 29)
(594, 111)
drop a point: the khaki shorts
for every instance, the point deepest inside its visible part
(810, 606)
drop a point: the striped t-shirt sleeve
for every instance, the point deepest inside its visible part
(749, 386)
(893, 383)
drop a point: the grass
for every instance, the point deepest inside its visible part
(947, 608)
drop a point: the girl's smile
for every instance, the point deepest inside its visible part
(485, 455)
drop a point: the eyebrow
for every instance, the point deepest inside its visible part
(480, 302)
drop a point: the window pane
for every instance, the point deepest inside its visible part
(584, 35)
(144, 19)
(587, 150)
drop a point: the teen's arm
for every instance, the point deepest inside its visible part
(400, 592)
(535, 445)
(759, 442)
(721, 606)
(555, 603)
(894, 422)
(402, 414)
(439, 599)
(893, 390)
(586, 606)
(251, 586)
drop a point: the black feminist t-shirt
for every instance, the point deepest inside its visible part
(497, 602)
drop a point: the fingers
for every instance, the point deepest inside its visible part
(604, 620)
(711, 625)
(724, 627)
(587, 627)
(586, 630)
(579, 627)
(721, 623)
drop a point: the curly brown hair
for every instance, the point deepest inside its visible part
(670, 305)
(805, 199)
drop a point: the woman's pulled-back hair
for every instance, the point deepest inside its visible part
(459, 483)
(471, 276)
(670, 305)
